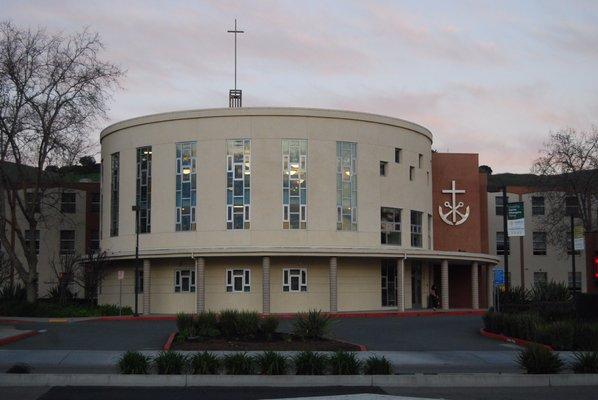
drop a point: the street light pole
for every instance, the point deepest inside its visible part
(573, 255)
(136, 209)
(505, 210)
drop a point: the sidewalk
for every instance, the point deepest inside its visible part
(86, 361)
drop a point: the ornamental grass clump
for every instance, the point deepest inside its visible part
(248, 324)
(170, 363)
(205, 325)
(344, 363)
(536, 359)
(375, 365)
(184, 322)
(585, 363)
(205, 363)
(238, 364)
(271, 363)
(227, 323)
(268, 326)
(133, 362)
(310, 363)
(311, 325)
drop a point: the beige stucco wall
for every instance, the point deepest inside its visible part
(359, 284)
(217, 298)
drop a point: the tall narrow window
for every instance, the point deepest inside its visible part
(390, 225)
(539, 243)
(397, 155)
(29, 237)
(144, 188)
(294, 184)
(500, 244)
(346, 186)
(67, 242)
(416, 228)
(68, 203)
(186, 186)
(498, 202)
(114, 194)
(537, 205)
(238, 183)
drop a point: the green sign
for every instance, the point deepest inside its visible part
(515, 220)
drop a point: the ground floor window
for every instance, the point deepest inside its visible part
(184, 280)
(540, 277)
(238, 280)
(294, 280)
(388, 282)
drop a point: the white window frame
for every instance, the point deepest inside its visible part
(179, 274)
(242, 273)
(287, 277)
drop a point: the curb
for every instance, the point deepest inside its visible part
(416, 380)
(16, 338)
(508, 339)
(169, 341)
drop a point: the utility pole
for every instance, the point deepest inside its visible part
(505, 209)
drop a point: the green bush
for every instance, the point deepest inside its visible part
(205, 324)
(559, 335)
(311, 325)
(133, 362)
(310, 363)
(170, 363)
(586, 337)
(45, 309)
(238, 364)
(184, 322)
(377, 366)
(268, 326)
(515, 296)
(522, 326)
(248, 324)
(13, 293)
(204, 364)
(227, 323)
(537, 359)
(586, 306)
(585, 363)
(550, 292)
(344, 363)
(271, 363)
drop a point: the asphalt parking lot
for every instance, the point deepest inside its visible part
(437, 333)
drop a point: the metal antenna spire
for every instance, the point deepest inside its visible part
(235, 96)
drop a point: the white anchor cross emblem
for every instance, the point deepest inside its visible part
(454, 207)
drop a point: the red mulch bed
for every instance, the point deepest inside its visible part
(280, 342)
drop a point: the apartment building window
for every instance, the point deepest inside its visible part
(94, 240)
(390, 225)
(67, 242)
(498, 203)
(114, 192)
(238, 280)
(397, 155)
(29, 200)
(420, 161)
(538, 205)
(294, 184)
(294, 280)
(577, 280)
(29, 236)
(429, 231)
(500, 244)
(346, 186)
(144, 188)
(540, 278)
(539, 243)
(95, 202)
(411, 173)
(416, 228)
(238, 184)
(68, 203)
(186, 186)
(383, 167)
(184, 281)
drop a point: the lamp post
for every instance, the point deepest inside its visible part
(136, 209)
(572, 210)
(505, 211)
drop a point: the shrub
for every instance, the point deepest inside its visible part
(537, 359)
(344, 363)
(19, 368)
(238, 364)
(586, 306)
(310, 363)
(311, 325)
(585, 363)
(560, 335)
(227, 323)
(515, 298)
(184, 322)
(13, 292)
(378, 366)
(204, 364)
(111, 309)
(586, 337)
(268, 326)
(544, 292)
(271, 363)
(521, 326)
(248, 324)
(170, 363)
(205, 324)
(133, 362)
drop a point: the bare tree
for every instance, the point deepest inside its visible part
(92, 272)
(53, 90)
(65, 268)
(568, 168)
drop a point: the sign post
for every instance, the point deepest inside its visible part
(498, 282)
(515, 219)
(121, 276)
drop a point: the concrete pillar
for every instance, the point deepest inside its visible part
(333, 285)
(266, 285)
(147, 285)
(444, 284)
(200, 284)
(401, 284)
(489, 285)
(475, 294)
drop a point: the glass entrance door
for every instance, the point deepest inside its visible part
(388, 281)
(416, 285)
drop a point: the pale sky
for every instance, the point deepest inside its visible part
(492, 78)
